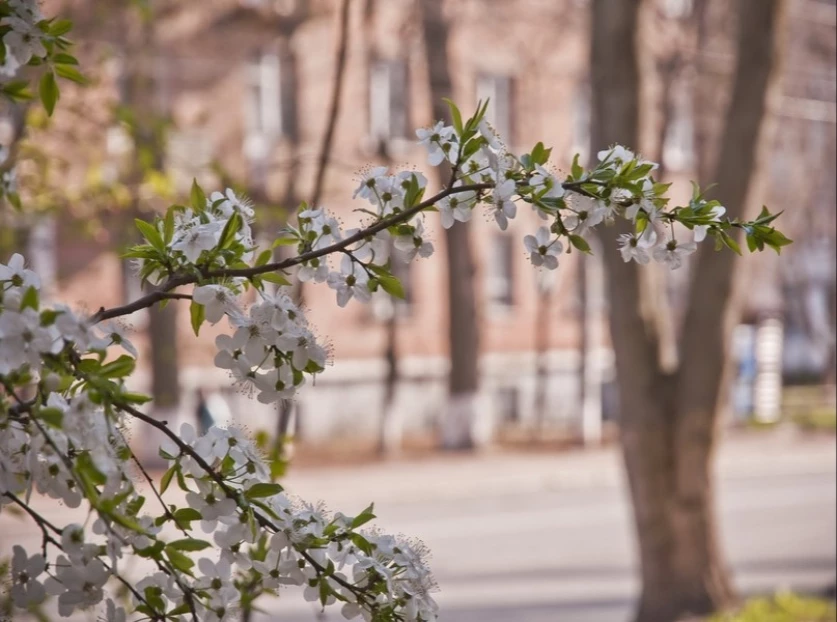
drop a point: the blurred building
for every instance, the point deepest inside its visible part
(246, 85)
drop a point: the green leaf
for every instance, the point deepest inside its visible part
(197, 313)
(168, 226)
(187, 514)
(580, 243)
(178, 611)
(152, 551)
(167, 477)
(60, 27)
(51, 416)
(727, 239)
(30, 299)
(49, 92)
(752, 244)
(150, 233)
(364, 517)
(263, 258)
(388, 282)
(17, 90)
(197, 197)
(540, 154)
(274, 277)
(287, 241)
(188, 544)
(577, 170)
(455, 115)
(181, 481)
(126, 522)
(362, 543)
(230, 229)
(87, 469)
(414, 192)
(69, 72)
(121, 367)
(179, 560)
(325, 591)
(135, 398)
(392, 286)
(262, 489)
(64, 59)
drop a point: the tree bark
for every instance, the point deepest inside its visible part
(669, 419)
(463, 327)
(162, 332)
(140, 95)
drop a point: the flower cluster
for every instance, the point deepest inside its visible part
(272, 346)
(25, 38)
(63, 406)
(64, 401)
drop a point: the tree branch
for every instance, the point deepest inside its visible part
(178, 280)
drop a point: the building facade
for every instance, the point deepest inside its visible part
(246, 86)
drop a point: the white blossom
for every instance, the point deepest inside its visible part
(197, 239)
(543, 251)
(637, 248)
(456, 207)
(673, 252)
(350, 281)
(26, 589)
(440, 142)
(19, 276)
(217, 300)
(503, 207)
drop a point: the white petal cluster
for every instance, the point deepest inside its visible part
(198, 233)
(271, 348)
(24, 39)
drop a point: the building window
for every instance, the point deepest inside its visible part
(677, 9)
(269, 113)
(388, 112)
(500, 275)
(498, 90)
(132, 290)
(582, 115)
(679, 143)
(42, 252)
(188, 157)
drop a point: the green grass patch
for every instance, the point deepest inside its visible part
(782, 608)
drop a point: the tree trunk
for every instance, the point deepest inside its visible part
(162, 332)
(669, 419)
(139, 93)
(389, 434)
(463, 328)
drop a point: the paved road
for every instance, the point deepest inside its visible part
(546, 537)
(547, 549)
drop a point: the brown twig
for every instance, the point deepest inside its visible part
(185, 279)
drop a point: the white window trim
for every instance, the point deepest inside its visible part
(381, 112)
(488, 88)
(264, 84)
(496, 307)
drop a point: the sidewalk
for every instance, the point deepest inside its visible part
(465, 476)
(512, 494)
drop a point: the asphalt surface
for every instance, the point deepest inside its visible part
(548, 538)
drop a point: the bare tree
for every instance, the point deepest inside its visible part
(139, 96)
(463, 327)
(323, 158)
(668, 424)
